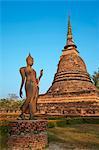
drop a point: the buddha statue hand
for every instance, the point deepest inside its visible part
(21, 93)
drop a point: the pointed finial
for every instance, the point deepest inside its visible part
(69, 32)
(29, 57)
(70, 41)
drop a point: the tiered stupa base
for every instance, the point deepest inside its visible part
(28, 134)
(69, 106)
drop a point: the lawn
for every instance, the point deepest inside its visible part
(74, 137)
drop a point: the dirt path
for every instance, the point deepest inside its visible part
(61, 146)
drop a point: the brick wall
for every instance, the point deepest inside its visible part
(27, 134)
(80, 108)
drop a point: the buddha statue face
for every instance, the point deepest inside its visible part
(29, 60)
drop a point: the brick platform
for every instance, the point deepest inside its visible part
(27, 134)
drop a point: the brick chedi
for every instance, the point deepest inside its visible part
(71, 77)
(71, 85)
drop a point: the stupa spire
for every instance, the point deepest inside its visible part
(69, 33)
(70, 41)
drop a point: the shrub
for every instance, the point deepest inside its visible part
(51, 124)
(91, 120)
(4, 130)
(71, 121)
(61, 123)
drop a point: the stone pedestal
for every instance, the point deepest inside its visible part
(27, 134)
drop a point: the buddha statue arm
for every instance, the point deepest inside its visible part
(41, 73)
(22, 72)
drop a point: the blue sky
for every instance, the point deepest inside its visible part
(40, 27)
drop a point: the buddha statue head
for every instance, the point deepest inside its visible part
(29, 60)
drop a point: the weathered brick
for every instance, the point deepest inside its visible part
(29, 138)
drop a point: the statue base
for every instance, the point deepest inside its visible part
(28, 134)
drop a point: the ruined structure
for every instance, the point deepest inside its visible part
(72, 91)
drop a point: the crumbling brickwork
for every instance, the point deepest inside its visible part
(27, 134)
(71, 78)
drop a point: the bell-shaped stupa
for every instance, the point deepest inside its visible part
(71, 77)
(71, 84)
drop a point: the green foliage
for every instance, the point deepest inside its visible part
(10, 105)
(61, 123)
(95, 78)
(72, 121)
(4, 130)
(91, 120)
(51, 124)
(56, 117)
(46, 146)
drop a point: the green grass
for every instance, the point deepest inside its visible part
(76, 132)
(81, 136)
(63, 122)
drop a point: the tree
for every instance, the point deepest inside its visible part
(95, 78)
